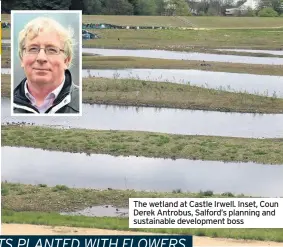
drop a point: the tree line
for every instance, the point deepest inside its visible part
(145, 7)
(104, 7)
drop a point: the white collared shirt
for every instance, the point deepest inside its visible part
(49, 99)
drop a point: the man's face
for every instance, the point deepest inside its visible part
(42, 68)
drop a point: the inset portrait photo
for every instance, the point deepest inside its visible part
(46, 63)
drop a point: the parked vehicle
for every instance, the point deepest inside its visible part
(88, 35)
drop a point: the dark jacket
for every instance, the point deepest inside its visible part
(68, 100)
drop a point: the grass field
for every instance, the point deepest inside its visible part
(185, 40)
(191, 21)
(41, 205)
(148, 144)
(169, 95)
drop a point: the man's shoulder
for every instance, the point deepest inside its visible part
(75, 92)
(75, 98)
(18, 91)
(75, 87)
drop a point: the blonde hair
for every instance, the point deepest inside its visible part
(39, 24)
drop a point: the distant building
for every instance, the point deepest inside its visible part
(249, 4)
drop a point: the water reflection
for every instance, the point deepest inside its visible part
(255, 84)
(34, 166)
(6, 41)
(184, 56)
(265, 85)
(101, 211)
(6, 71)
(163, 54)
(280, 53)
(163, 120)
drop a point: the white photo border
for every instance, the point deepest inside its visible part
(79, 12)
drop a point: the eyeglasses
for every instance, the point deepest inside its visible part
(49, 50)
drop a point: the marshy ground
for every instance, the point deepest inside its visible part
(41, 205)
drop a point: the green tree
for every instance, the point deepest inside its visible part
(267, 12)
(7, 6)
(41, 4)
(177, 7)
(117, 7)
(160, 7)
(77, 5)
(146, 7)
(201, 7)
(26, 4)
(214, 8)
(212, 11)
(277, 5)
(54, 4)
(250, 12)
(92, 7)
(134, 4)
(264, 4)
(182, 7)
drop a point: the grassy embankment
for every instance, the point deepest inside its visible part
(42, 205)
(104, 62)
(131, 92)
(22, 197)
(148, 144)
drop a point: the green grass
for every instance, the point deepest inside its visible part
(55, 219)
(23, 197)
(184, 40)
(149, 144)
(190, 21)
(169, 95)
(31, 204)
(105, 62)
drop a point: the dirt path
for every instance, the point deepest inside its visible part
(24, 229)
